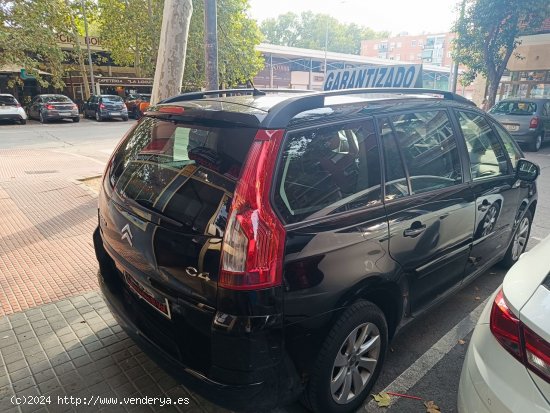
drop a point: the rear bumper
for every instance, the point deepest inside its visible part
(528, 137)
(107, 115)
(11, 116)
(258, 390)
(492, 381)
(56, 115)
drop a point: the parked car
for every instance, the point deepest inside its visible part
(527, 120)
(137, 104)
(103, 107)
(266, 246)
(507, 366)
(10, 109)
(52, 107)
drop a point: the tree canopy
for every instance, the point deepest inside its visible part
(311, 31)
(28, 37)
(488, 33)
(130, 28)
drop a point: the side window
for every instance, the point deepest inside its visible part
(328, 170)
(546, 110)
(428, 146)
(487, 157)
(510, 145)
(396, 179)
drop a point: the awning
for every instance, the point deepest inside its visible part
(17, 69)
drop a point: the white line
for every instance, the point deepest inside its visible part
(536, 238)
(430, 358)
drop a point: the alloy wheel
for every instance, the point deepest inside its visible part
(520, 238)
(538, 142)
(355, 363)
(489, 220)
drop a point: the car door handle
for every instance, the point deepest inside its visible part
(416, 229)
(484, 206)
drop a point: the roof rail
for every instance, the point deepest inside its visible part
(280, 114)
(228, 92)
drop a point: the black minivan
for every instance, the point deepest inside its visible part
(265, 246)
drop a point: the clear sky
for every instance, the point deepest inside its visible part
(412, 16)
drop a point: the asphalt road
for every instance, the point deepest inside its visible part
(435, 339)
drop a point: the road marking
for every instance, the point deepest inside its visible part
(430, 358)
(536, 238)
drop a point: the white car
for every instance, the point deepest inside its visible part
(507, 366)
(10, 109)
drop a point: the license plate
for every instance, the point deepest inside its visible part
(65, 113)
(155, 300)
(512, 128)
(115, 113)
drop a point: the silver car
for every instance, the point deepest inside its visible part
(527, 120)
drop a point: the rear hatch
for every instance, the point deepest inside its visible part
(163, 212)
(114, 103)
(60, 104)
(8, 104)
(527, 291)
(515, 115)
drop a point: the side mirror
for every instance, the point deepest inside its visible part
(527, 170)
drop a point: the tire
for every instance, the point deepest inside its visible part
(519, 241)
(23, 121)
(125, 118)
(98, 116)
(337, 358)
(537, 142)
(77, 119)
(42, 118)
(135, 114)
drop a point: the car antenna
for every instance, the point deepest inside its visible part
(255, 92)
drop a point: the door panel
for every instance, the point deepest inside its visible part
(430, 210)
(494, 187)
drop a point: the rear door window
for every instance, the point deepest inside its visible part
(487, 156)
(515, 108)
(184, 171)
(329, 169)
(428, 147)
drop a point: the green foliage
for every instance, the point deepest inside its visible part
(28, 38)
(311, 31)
(130, 34)
(488, 32)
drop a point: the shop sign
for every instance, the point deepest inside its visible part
(398, 76)
(124, 81)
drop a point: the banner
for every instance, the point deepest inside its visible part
(398, 76)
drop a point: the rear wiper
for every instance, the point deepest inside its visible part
(128, 202)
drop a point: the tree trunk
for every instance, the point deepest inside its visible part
(172, 49)
(79, 55)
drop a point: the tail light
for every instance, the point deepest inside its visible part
(50, 107)
(537, 353)
(534, 124)
(519, 340)
(101, 106)
(253, 244)
(505, 326)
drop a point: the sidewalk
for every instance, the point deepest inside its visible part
(57, 337)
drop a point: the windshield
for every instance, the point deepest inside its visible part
(514, 108)
(8, 100)
(180, 169)
(56, 98)
(111, 99)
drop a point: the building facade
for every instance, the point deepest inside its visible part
(433, 49)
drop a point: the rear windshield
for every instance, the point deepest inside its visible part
(111, 99)
(7, 100)
(56, 98)
(186, 171)
(514, 108)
